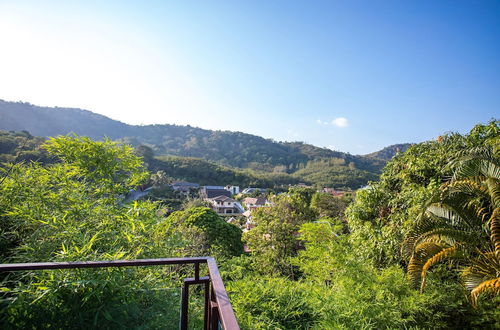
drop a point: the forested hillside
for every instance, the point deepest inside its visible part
(23, 147)
(389, 152)
(234, 149)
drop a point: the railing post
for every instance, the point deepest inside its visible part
(184, 306)
(207, 307)
(196, 271)
(214, 318)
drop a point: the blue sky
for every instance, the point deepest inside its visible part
(349, 75)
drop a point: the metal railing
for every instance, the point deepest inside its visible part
(218, 310)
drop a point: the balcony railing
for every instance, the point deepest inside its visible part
(218, 310)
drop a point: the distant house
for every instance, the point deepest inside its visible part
(253, 202)
(334, 192)
(184, 187)
(249, 224)
(209, 192)
(213, 187)
(235, 190)
(225, 206)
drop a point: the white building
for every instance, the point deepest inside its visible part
(234, 190)
(225, 206)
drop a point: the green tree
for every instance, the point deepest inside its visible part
(111, 167)
(219, 238)
(273, 241)
(327, 205)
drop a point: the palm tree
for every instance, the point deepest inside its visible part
(462, 222)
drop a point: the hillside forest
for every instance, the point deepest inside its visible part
(418, 247)
(242, 159)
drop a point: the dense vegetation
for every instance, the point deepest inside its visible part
(233, 149)
(208, 173)
(333, 172)
(21, 147)
(418, 249)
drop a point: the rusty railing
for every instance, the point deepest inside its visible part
(218, 310)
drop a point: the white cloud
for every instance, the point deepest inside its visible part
(319, 121)
(340, 122)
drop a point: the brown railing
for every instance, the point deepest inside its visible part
(218, 310)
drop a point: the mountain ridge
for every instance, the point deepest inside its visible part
(228, 148)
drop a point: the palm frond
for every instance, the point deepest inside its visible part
(423, 252)
(494, 191)
(448, 235)
(437, 258)
(495, 231)
(490, 169)
(470, 186)
(486, 287)
(480, 161)
(482, 268)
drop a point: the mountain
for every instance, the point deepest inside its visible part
(389, 152)
(232, 149)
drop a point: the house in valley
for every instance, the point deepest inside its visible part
(235, 190)
(225, 206)
(209, 192)
(253, 202)
(184, 187)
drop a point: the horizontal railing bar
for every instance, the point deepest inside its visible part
(226, 312)
(102, 264)
(193, 280)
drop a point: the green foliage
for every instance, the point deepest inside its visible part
(327, 205)
(462, 221)
(208, 173)
(71, 210)
(334, 173)
(21, 147)
(221, 239)
(350, 293)
(273, 303)
(359, 298)
(384, 213)
(108, 164)
(273, 241)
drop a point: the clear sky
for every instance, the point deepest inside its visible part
(349, 75)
